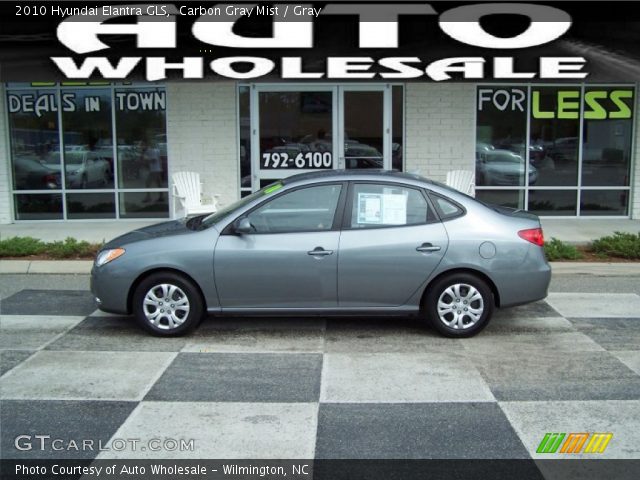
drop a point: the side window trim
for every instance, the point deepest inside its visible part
(228, 230)
(348, 208)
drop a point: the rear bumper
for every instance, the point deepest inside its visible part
(527, 284)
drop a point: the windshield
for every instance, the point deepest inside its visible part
(216, 217)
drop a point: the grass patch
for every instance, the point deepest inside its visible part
(29, 246)
(556, 249)
(621, 245)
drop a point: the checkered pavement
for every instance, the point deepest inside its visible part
(321, 388)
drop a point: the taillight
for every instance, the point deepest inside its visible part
(533, 235)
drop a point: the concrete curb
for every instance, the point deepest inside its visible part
(630, 269)
(46, 266)
(83, 267)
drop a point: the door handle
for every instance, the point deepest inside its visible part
(319, 252)
(428, 247)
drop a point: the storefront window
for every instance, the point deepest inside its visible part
(38, 206)
(578, 143)
(83, 119)
(553, 202)
(555, 128)
(606, 141)
(500, 136)
(507, 198)
(90, 205)
(35, 140)
(88, 139)
(142, 139)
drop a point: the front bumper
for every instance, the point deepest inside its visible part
(110, 289)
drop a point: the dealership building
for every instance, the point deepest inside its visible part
(107, 151)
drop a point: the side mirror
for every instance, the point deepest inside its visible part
(242, 226)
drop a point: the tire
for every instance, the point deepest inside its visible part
(447, 321)
(187, 310)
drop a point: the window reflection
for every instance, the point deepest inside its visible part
(606, 146)
(501, 136)
(295, 130)
(88, 139)
(142, 141)
(33, 123)
(554, 140)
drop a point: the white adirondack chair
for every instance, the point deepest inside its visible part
(187, 193)
(462, 180)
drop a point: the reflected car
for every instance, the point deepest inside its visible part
(30, 174)
(503, 168)
(83, 169)
(564, 149)
(330, 243)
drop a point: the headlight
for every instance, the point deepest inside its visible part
(107, 256)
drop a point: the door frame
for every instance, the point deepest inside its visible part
(337, 124)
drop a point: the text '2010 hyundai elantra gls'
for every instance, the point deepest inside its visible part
(330, 243)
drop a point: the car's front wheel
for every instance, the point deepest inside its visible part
(167, 304)
(459, 305)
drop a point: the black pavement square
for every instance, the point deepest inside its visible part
(549, 375)
(611, 333)
(115, 334)
(12, 358)
(415, 430)
(49, 302)
(234, 377)
(68, 421)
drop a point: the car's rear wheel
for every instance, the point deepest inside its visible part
(459, 305)
(167, 304)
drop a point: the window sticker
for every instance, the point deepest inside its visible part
(369, 208)
(382, 209)
(394, 209)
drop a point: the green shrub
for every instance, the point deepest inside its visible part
(26, 246)
(558, 250)
(21, 247)
(69, 248)
(623, 245)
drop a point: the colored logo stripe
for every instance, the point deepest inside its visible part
(550, 443)
(574, 442)
(598, 442)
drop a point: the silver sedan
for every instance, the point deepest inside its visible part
(330, 243)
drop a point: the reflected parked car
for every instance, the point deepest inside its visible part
(503, 168)
(330, 243)
(83, 169)
(30, 174)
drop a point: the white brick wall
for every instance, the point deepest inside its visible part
(635, 163)
(5, 187)
(440, 128)
(202, 135)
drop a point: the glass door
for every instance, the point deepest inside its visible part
(364, 127)
(305, 128)
(293, 131)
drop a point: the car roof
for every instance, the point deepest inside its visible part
(356, 174)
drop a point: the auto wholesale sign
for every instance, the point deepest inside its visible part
(335, 41)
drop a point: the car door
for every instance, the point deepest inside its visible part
(289, 259)
(390, 243)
